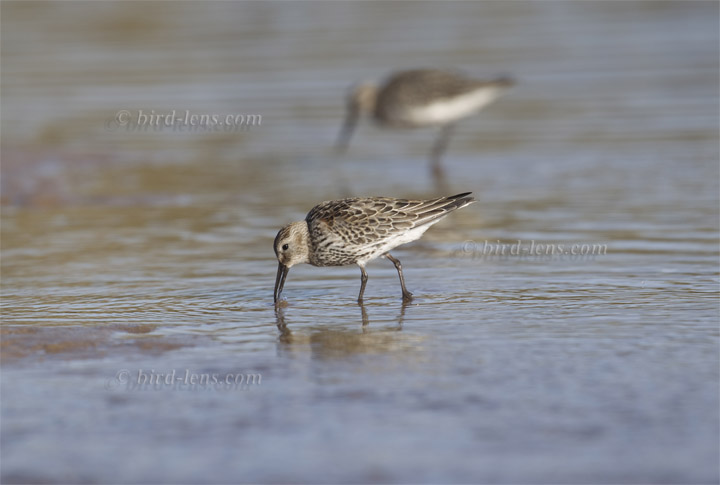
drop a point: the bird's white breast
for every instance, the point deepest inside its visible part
(393, 242)
(451, 109)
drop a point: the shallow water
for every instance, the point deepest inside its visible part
(130, 255)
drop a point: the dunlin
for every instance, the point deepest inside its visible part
(357, 230)
(421, 98)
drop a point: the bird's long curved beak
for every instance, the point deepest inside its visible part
(280, 281)
(346, 131)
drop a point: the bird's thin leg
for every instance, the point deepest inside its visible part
(439, 148)
(363, 281)
(407, 296)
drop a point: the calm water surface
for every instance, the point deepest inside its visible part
(129, 255)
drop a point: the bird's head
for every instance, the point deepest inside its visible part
(291, 247)
(361, 99)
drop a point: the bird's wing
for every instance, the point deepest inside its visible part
(366, 221)
(429, 84)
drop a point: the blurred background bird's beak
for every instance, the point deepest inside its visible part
(346, 130)
(280, 281)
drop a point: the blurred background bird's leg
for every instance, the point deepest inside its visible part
(438, 150)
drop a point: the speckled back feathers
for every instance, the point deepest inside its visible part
(348, 230)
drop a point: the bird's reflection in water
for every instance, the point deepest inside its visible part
(326, 340)
(400, 318)
(285, 333)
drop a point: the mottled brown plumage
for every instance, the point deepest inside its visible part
(357, 230)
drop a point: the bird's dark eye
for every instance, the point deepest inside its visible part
(285, 247)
